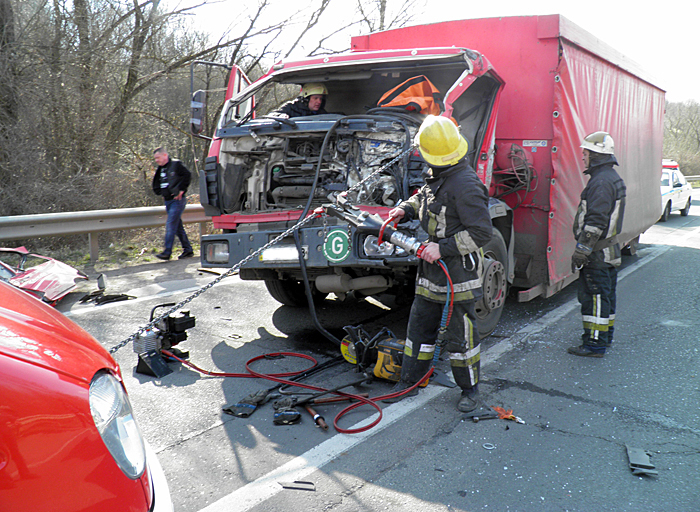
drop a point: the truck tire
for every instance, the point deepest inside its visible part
(290, 292)
(490, 307)
(667, 212)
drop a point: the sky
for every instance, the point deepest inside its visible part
(662, 37)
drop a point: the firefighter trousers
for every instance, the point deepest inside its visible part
(462, 345)
(597, 295)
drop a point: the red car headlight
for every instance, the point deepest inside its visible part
(111, 410)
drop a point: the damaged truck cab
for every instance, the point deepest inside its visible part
(264, 171)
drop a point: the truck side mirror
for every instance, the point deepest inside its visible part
(197, 112)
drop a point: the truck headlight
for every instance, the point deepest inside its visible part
(217, 252)
(111, 411)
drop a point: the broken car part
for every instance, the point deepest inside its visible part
(43, 277)
(640, 464)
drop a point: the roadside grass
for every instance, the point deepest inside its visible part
(116, 249)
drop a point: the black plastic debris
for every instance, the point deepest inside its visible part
(640, 464)
(299, 485)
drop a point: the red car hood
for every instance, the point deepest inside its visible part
(36, 333)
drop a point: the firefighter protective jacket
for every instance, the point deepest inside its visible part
(601, 211)
(453, 209)
(299, 108)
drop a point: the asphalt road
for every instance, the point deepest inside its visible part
(579, 414)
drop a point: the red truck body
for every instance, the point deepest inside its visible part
(561, 84)
(524, 90)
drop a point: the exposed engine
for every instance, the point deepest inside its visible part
(279, 171)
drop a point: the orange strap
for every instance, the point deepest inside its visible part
(417, 94)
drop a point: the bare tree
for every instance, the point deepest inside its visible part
(682, 135)
(378, 15)
(104, 81)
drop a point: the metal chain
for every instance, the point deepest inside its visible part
(211, 283)
(245, 260)
(381, 169)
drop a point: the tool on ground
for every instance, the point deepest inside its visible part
(249, 404)
(481, 413)
(318, 419)
(507, 415)
(286, 414)
(366, 379)
(335, 399)
(167, 333)
(382, 353)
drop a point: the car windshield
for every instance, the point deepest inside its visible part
(665, 180)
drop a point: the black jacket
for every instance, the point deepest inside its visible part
(173, 174)
(602, 208)
(299, 108)
(453, 210)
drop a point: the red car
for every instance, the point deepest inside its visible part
(68, 438)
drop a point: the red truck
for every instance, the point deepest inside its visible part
(524, 91)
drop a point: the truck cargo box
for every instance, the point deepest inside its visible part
(561, 84)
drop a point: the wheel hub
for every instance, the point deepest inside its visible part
(494, 287)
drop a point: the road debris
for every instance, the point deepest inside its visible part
(640, 464)
(299, 485)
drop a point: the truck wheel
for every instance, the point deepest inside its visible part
(667, 212)
(490, 307)
(685, 211)
(290, 292)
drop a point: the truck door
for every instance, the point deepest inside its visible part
(212, 179)
(473, 102)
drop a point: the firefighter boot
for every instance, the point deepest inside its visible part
(586, 351)
(398, 387)
(469, 400)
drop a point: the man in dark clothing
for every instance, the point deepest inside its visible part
(311, 102)
(171, 180)
(597, 255)
(453, 209)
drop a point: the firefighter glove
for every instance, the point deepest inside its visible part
(578, 260)
(584, 247)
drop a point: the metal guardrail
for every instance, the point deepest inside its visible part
(92, 223)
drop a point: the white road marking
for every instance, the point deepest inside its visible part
(266, 486)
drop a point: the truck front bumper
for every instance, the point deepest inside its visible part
(323, 249)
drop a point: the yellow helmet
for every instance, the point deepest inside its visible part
(313, 88)
(440, 142)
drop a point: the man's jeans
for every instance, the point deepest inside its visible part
(173, 225)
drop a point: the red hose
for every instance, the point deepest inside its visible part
(452, 292)
(277, 377)
(381, 230)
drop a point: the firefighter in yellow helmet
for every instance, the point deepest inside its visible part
(452, 208)
(310, 102)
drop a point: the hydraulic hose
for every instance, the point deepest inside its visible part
(446, 312)
(279, 378)
(307, 207)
